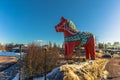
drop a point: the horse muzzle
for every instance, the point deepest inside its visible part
(56, 29)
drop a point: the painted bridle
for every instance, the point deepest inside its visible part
(65, 24)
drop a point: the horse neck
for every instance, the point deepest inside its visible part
(69, 33)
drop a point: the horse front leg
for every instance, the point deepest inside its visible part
(69, 46)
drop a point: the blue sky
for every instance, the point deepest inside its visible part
(24, 21)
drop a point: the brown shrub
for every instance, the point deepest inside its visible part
(33, 63)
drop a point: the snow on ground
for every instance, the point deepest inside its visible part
(11, 54)
(16, 77)
(54, 71)
(41, 78)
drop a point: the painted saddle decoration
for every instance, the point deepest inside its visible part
(73, 38)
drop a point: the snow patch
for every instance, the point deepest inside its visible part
(12, 54)
(54, 71)
(16, 77)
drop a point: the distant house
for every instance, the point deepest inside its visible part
(18, 50)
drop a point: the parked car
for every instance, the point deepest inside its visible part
(106, 56)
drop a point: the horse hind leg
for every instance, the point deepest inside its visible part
(87, 52)
(92, 48)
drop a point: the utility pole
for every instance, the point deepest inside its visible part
(20, 48)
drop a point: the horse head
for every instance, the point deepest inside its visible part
(66, 25)
(60, 27)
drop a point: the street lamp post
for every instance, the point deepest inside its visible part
(45, 51)
(20, 47)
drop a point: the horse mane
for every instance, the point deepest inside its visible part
(71, 26)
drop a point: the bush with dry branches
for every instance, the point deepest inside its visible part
(33, 63)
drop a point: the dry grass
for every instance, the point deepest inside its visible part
(99, 55)
(85, 71)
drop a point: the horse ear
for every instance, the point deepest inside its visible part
(63, 19)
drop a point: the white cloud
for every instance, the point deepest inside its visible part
(39, 40)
